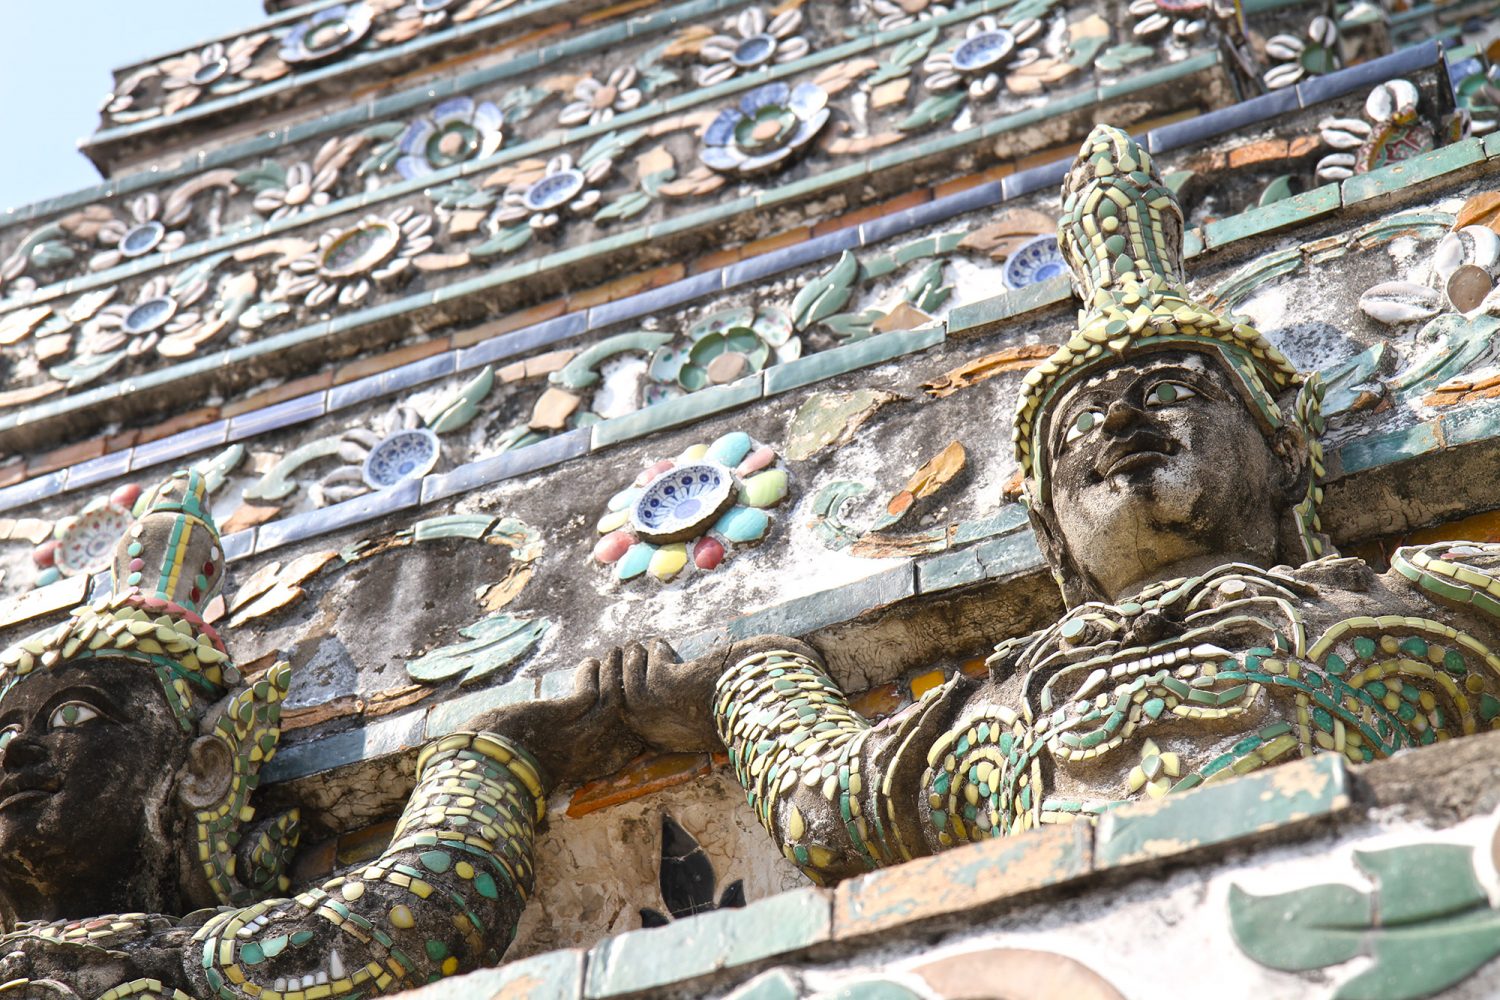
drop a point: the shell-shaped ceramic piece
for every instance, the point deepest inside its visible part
(1396, 302)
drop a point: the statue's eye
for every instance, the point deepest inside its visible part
(6, 735)
(1167, 393)
(73, 713)
(1083, 423)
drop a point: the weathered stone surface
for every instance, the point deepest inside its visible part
(1021, 971)
(1312, 790)
(708, 944)
(555, 975)
(972, 879)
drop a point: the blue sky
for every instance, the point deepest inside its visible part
(55, 67)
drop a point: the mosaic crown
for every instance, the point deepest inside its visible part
(1120, 232)
(167, 567)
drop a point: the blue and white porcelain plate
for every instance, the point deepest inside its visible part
(1035, 260)
(408, 454)
(554, 190)
(983, 51)
(683, 502)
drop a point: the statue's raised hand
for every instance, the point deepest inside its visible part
(670, 705)
(576, 738)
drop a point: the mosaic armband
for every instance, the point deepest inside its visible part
(444, 898)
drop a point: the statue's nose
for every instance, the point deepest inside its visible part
(1121, 415)
(21, 752)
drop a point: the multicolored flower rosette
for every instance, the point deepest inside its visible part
(690, 510)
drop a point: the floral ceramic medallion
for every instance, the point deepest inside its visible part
(687, 511)
(979, 61)
(350, 261)
(214, 69)
(458, 130)
(595, 102)
(563, 190)
(752, 41)
(283, 191)
(899, 13)
(85, 542)
(403, 446)
(1038, 259)
(432, 14)
(1392, 130)
(727, 345)
(1184, 19)
(327, 34)
(1459, 276)
(768, 127)
(158, 311)
(147, 230)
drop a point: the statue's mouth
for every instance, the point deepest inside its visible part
(10, 799)
(1135, 460)
(1138, 451)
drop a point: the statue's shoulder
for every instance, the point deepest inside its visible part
(1004, 660)
(111, 930)
(1466, 572)
(89, 956)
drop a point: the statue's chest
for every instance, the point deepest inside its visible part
(1199, 680)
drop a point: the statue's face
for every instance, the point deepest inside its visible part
(1158, 466)
(90, 754)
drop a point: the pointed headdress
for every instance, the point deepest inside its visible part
(1120, 232)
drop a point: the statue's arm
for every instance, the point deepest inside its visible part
(838, 794)
(443, 898)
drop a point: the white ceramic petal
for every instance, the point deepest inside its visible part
(598, 170)
(1284, 46)
(1485, 250)
(1344, 133)
(945, 80)
(751, 21)
(1336, 167)
(792, 48)
(1397, 302)
(714, 50)
(1283, 76)
(146, 207)
(575, 114)
(786, 23)
(321, 293)
(1151, 25)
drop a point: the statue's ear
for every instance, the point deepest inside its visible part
(205, 778)
(1074, 588)
(1290, 449)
